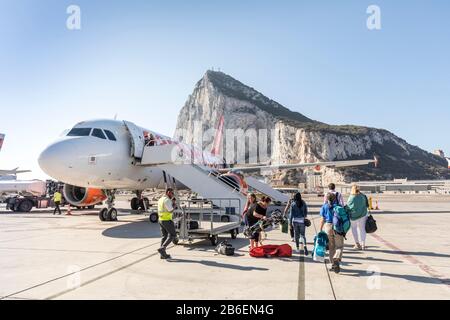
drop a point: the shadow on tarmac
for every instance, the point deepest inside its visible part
(134, 230)
(421, 279)
(218, 265)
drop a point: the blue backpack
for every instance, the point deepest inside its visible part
(341, 221)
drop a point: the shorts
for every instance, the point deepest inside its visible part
(255, 236)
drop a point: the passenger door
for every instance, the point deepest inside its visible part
(136, 138)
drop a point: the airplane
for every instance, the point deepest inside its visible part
(6, 173)
(98, 157)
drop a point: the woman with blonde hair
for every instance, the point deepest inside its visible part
(358, 204)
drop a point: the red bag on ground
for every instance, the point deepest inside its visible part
(269, 251)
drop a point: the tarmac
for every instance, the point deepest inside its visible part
(78, 257)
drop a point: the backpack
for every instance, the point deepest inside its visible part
(225, 248)
(341, 221)
(371, 224)
(336, 201)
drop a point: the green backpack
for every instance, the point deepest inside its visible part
(341, 221)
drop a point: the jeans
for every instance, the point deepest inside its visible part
(360, 225)
(168, 233)
(299, 231)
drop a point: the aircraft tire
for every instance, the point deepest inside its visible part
(103, 214)
(134, 203)
(112, 214)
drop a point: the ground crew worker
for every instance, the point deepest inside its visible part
(57, 197)
(165, 210)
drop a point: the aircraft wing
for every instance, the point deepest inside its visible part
(335, 164)
(13, 171)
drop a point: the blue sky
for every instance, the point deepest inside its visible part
(141, 59)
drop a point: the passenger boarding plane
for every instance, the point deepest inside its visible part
(9, 172)
(96, 158)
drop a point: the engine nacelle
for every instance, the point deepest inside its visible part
(81, 197)
(235, 181)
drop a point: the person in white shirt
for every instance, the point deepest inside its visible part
(339, 197)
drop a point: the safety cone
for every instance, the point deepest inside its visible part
(69, 211)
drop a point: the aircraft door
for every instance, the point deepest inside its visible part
(137, 139)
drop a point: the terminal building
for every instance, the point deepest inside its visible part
(401, 186)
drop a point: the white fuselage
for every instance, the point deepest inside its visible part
(93, 162)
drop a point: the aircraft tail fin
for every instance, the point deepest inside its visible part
(218, 138)
(2, 138)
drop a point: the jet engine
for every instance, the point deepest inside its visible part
(82, 197)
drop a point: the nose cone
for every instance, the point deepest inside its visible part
(56, 159)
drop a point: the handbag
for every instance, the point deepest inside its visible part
(285, 226)
(307, 223)
(371, 224)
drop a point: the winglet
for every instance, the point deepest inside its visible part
(2, 138)
(377, 161)
(218, 138)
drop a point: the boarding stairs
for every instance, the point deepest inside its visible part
(267, 190)
(200, 179)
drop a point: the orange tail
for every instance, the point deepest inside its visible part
(218, 138)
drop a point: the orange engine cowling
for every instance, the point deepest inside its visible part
(78, 196)
(235, 181)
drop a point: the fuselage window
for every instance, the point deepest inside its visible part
(98, 133)
(110, 135)
(79, 132)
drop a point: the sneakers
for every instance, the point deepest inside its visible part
(306, 252)
(335, 267)
(357, 247)
(163, 254)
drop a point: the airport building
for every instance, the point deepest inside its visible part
(400, 186)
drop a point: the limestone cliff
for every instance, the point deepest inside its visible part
(295, 138)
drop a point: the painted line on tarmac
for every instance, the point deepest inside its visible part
(424, 267)
(325, 264)
(301, 278)
(76, 272)
(103, 276)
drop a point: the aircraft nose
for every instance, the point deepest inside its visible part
(55, 159)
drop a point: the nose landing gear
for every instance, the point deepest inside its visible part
(110, 213)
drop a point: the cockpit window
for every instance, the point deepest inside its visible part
(79, 132)
(110, 135)
(98, 133)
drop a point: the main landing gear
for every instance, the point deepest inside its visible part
(109, 213)
(140, 203)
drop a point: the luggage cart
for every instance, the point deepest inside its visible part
(189, 228)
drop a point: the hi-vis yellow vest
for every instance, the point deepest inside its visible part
(163, 214)
(57, 197)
